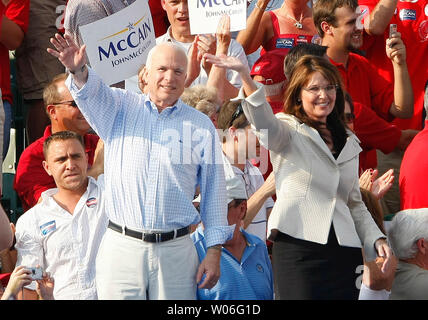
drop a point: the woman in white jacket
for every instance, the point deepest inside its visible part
(319, 222)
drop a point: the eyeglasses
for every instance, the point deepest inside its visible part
(349, 117)
(236, 114)
(70, 103)
(316, 90)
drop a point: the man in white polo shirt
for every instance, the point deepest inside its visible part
(63, 232)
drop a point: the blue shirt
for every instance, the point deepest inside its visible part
(154, 161)
(248, 279)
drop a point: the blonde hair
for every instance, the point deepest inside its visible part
(50, 93)
(201, 98)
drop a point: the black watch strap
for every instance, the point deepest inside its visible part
(78, 70)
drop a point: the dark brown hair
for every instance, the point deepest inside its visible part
(299, 51)
(305, 67)
(61, 136)
(324, 10)
(229, 111)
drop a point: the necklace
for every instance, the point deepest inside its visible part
(298, 23)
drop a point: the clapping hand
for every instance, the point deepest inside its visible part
(227, 62)
(223, 35)
(193, 63)
(378, 186)
(206, 44)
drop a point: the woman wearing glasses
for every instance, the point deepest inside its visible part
(319, 222)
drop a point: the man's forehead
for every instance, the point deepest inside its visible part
(73, 146)
(345, 14)
(167, 55)
(175, 1)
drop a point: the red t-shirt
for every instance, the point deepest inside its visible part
(411, 19)
(414, 173)
(17, 11)
(374, 133)
(31, 179)
(277, 106)
(368, 88)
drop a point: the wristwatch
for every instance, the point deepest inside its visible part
(78, 70)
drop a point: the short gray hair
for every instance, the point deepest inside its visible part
(406, 228)
(167, 43)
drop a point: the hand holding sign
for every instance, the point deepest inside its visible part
(206, 44)
(204, 15)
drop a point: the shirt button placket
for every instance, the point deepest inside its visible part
(155, 158)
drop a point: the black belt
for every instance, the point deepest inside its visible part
(150, 236)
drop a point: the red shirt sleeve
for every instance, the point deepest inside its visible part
(19, 11)
(381, 92)
(31, 179)
(91, 141)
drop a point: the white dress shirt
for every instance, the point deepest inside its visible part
(64, 244)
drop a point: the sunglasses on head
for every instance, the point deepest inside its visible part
(236, 114)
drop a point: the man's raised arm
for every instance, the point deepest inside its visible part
(402, 107)
(71, 56)
(380, 17)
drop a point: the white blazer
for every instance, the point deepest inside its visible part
(313, 188)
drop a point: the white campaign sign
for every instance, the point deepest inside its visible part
(204, 15)
(118, 45)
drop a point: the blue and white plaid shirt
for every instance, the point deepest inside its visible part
(154, 161)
